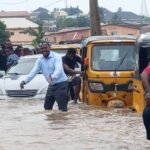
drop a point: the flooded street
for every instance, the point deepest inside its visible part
(26, 126)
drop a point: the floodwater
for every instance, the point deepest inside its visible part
(24, 125)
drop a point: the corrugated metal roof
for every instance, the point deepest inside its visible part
(13, 23)
(70, 29)
(14, 14)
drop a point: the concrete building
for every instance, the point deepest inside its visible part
(17, 22)
(59, 13)
(66, 35)
(120, 30)
(81, 33)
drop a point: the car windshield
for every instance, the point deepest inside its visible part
(60, 51)
(23, 67)
(113, 57)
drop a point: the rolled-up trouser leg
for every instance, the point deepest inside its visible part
(49, 99)
(61, 95)
(146, 120)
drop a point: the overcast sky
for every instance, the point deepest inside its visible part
(30, 5)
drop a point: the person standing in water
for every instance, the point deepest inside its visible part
(52, 68)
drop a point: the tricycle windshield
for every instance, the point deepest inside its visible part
(113, 57)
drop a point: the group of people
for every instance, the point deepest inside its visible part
(55, 69)
(9, 56)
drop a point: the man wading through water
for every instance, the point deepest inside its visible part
(70, 60)
(52, 68)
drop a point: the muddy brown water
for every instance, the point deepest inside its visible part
(24, 125)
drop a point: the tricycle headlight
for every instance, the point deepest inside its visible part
(96, 86)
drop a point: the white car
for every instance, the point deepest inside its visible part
(10, 82)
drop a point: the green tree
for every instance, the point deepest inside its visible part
(116, 19)
(4, 35)
(38, 35)
(60, 23)
(43, 16)
(66, 22)
(69, 22)
(73, 10)
(83, 21)
(102, 18)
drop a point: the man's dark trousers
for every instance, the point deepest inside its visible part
(57, 92)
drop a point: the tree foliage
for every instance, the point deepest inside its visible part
(66, 22)
(116, 19)
(43, 16)
(4, 35)
(73, 10)
(102, 18)
(81, 21)
(38, 35)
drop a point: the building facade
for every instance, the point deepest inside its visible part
(82, 33)
(17, 23)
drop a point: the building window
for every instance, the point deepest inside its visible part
(54, 39)
(11, 33)
(22, 32)
(130, 34)
(104, 32)
(114, 33)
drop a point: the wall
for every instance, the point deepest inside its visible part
(18, 37)
(55, 37)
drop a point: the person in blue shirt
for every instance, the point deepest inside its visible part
(52, 68)
(12, 58)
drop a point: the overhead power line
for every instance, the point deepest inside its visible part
(13, 3)
(144, 11)
(53, 3)
(66, 4)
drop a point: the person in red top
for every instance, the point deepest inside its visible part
(145, 78)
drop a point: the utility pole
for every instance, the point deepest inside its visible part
(144, 12)
(95, 27)
(66, 4)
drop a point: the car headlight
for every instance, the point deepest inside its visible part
(43, 91)
(130, 86)
(96, 86)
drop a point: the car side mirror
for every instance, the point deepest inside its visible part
(2, 73)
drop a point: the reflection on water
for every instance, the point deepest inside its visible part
(26, 126)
